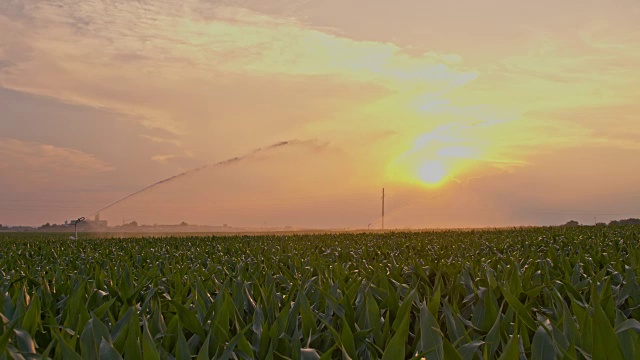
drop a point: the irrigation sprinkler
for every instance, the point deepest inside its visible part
(75, 225)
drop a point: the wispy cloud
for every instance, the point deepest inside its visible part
(43, 159)
(160, 140)
(165, 159)
(136, 57)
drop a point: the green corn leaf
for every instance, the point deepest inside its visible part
(102, 309)
(469, 351)
(31, 319)
(605, 343)
(373, 312)
(519, 309)
(450, 352)
(120, 330)
(629, 324)
(233, 343)
(430, 336)
(348, 343)
(68, 353)
(404, 310)
(203, 354)
(309, 354)
(396, 348)
(25, 342)
(542, 347)
(132, 345)
(308, 321)
(244, 347)
(434, 303)
(492, 339)
(511, 350)
(4, 339)
(182, 348)
(149, 351)
(570, 353)
(327, 355)
(108, 352)
(188, 319)
(47, 351)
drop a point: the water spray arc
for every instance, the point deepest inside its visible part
(221, 163)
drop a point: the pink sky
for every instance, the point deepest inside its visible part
(468, 113)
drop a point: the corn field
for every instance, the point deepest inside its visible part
(540, 293)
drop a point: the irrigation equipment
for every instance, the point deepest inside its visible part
(75, 225)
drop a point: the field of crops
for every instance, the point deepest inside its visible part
(552, 293)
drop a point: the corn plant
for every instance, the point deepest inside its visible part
(540, 293)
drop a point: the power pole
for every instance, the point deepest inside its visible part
(382, 208)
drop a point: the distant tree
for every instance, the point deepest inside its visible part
(632, 221)
(184, 224)
(131, 224)
(572, 223)
(601, 224)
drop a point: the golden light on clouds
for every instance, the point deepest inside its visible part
(451, 153)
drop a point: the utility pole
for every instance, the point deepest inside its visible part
(382, 208)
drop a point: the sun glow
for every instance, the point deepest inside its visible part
(432, 172)
(447, 153)
(455, 142)
(428, 170)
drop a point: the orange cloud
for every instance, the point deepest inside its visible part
(31, 163)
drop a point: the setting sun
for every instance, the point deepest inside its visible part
(432, 172)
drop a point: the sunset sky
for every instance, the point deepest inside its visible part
(468, 113)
